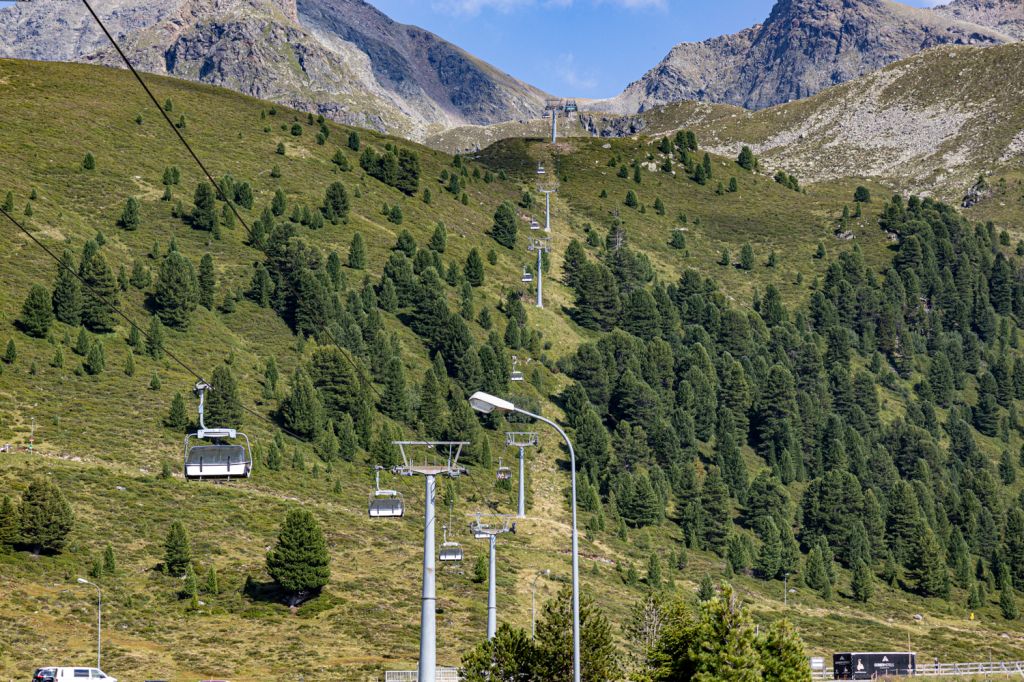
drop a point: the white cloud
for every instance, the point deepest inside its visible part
(580, 81)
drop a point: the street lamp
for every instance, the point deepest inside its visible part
(99, 620)
(487, 403)
(533, 602)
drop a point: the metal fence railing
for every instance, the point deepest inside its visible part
(442, 675)
(1002, 668)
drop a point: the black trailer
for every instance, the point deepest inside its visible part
(871, 665)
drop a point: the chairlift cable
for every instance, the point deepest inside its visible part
(93, 292)
(106, 301)
(210, 177)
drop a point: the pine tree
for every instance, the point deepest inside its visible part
(278, 204)
(204, 210)
(505, 229)
(861, 582)
(474, 268)
(155, 338)
(1007, 598)
(154, 382)
(95, 360)
(302, 410)
(10, 522)
(177, 418)
(746, 158)
(395, 402)
(109, 561)
(631, 199)
(67, 295)
(299, 562)
(190, 587)
(357, 252)
(720, 646)
(37, 312)
(747, 257)
(89, 161)
(862, 195)
(783, 658)
(928, 564)
(223, 403)
(599, 657)
(353, 141)
(769, 559)
(336, 203)
(212, 584)
(100, 294)
(439, 239)
(177, 550)
(654, 571)
(46, 517)
(508, 657)
(714, 500)
(130, 215)
(177, 291)
(207, 282)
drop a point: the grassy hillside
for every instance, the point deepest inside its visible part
(102, 438)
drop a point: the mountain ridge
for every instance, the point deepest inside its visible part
(340, 58)
(802, 47)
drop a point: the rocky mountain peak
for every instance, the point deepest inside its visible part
(802, 47)
(1006, 16)
(340, 58)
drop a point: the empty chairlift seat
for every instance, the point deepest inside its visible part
(540, 168)
(527, 275)
(217, 461)
(450, 551)
(386, 504)
(534, 225)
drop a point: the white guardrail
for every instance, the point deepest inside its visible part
(1002, 668)
(442, 675)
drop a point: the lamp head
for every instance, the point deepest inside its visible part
(487, 403)
(83, 581)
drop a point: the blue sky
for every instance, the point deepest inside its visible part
(580, 48)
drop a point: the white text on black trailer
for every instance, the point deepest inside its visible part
(217, 461)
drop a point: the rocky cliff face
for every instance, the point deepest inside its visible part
(803, 47)
(341, 58)
(1006, 16)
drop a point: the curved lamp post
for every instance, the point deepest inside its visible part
(487, 403)
(99, 620)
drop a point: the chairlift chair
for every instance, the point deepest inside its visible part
(450, 550)
(534, 225)
(216, 461)
(540, 168)
(385, 504)
(517, 374)
(504, 472)
(527, 275)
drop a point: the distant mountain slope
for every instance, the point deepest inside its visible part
(341, 58)
(803, 47)
(932, 122)
(1006, 16)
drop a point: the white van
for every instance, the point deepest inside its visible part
(69, 674)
